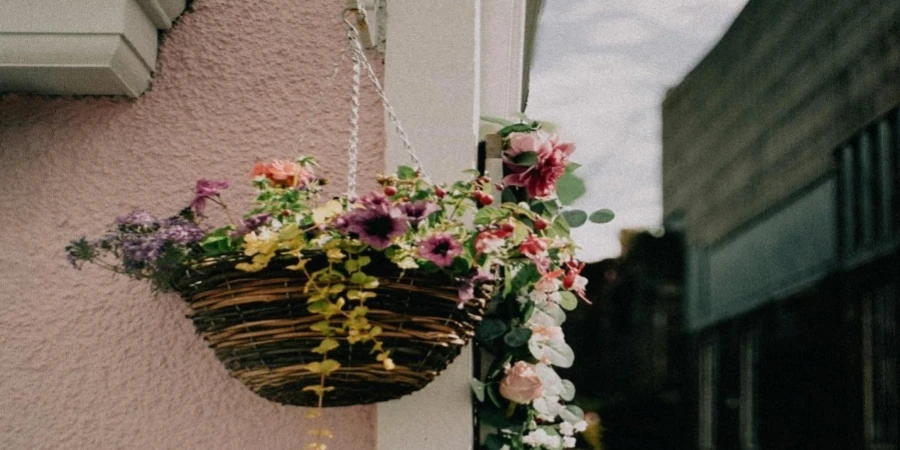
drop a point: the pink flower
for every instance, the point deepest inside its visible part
(283, 173)
(574, 281)
(489, 241)
(440, 248)
(535, 249)
(521, 384)
(540, 178)
(206, 189)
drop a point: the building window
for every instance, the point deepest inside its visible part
(707, 396)
(749, 409)
(880, 368)
(870, 185)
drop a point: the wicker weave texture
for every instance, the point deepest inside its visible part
(258, 326)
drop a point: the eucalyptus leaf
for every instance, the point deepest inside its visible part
(495, 442)
(517, 337)
(490, 329)
(602, 216)
(575, 217)
(572, 414)
(569, 188)
(568, 390)
(568, 300)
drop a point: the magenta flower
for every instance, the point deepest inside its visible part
(539, 179)
(377, 226)
(419, 211)
(206, 189)
(440, 249)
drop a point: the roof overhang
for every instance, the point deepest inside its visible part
(84, 47)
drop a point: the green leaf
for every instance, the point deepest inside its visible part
(559, 227)
(572, 166)
(568, 300)
(575, 217)
(406, 173)
(602, 216)
(525, 159)
(477, 388)
(494, 442)
(522, 277)
(494, 395)
(517, 337)
(217, 243)
(508, 196)
(489, 215)
(569, 188)
(490, 329)
(515, 128)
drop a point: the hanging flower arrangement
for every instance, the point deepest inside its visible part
(513, 256)
(360, 299)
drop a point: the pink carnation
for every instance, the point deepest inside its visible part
(539, 179)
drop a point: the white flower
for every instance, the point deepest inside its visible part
(566, 428)
(547, 284)
(536, 297)
(581, 426)
(540, 437)
(569, 442)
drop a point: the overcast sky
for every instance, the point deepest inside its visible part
(600, 72)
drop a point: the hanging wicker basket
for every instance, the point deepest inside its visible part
(259, 327)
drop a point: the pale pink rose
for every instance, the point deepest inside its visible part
(521, 384)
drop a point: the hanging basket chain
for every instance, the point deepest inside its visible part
(353, 148)
(317, 103)
(360, 58)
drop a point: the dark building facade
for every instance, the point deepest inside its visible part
(781, 168)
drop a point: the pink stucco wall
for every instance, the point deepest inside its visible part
(89, 360)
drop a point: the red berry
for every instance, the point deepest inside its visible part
(486, 199)
(440, 193)
(540, 224)
(508, 227)
(390, 190)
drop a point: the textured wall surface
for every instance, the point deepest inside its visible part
(92, 361)
(760, 117)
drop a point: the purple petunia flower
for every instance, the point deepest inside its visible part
(378, 225)
(419, 211)
(440, 248)
(206, 189)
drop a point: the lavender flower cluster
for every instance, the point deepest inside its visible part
(140, 241)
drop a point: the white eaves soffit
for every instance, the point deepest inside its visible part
(81, 47)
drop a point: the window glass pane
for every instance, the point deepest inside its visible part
(706, 389)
